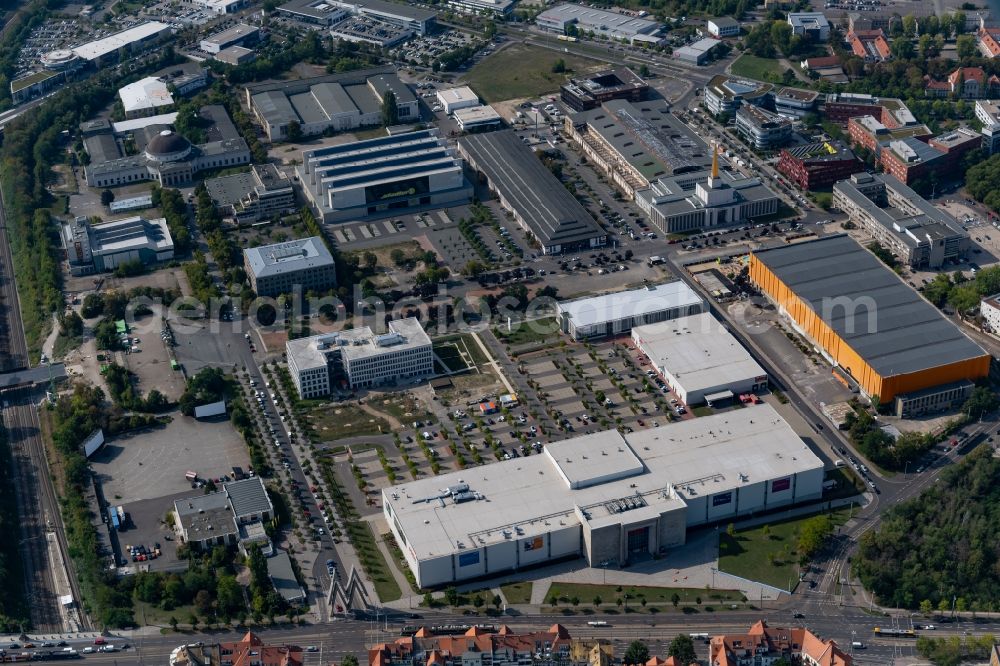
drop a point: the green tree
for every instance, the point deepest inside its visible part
(598, 601)
(636, 653)
(497, 601)
(349, 660)
(965, 46)
(294, 131)
(390, 109)
(909, 25)
(107, 196)
(902, 49)
(682, 649)
(173, 622)
(926, 607)
(675, 599)
(559, 66)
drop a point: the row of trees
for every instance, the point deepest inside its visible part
(209, 584)
(962, 293)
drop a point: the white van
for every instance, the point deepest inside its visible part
(858, 645)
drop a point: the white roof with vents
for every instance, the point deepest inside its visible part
(698, 457)
(698, 351)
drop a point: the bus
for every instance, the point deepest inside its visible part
(894, 633)
(700, 637)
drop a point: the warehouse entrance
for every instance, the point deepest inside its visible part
(638, 541)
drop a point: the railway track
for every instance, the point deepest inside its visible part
(21, 421)
(13, 346)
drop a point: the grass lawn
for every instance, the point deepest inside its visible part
(467, 343)
(152, 615)
(537, 330)
(450, 355)
(402, 407)
(761, 69)
(339, 422)
(517, 593)
(658, 599)
(746, 554)
(524, 71)
(704, 410)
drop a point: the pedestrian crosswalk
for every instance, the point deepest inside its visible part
(353, 232)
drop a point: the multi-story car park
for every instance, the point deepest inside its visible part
(699, 359)
(605, 496)
(280, 268)
(359, 358)
(259, 194)
(617, 313)
(815, 166)
(383, 176)
(539, 202)
(865, 320)
(762, 129)
(918, 232)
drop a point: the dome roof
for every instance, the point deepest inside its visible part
(167, 143)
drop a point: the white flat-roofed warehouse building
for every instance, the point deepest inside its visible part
(697, 53)
(279, 268)
(360, 358)
(382, 176)
(453, 99)
(125, 42)
(477, 118)
(619, 312)
(603, 496)
(238, 35)
(698, 357)
(145, 97)
(601, 22)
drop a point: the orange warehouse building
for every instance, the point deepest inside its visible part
(867, 321)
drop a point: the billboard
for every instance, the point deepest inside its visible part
(395, 189)
(94, 442)
(534, 544)
(780, 484)
(211, 409)
(722, 498)
(468, 559)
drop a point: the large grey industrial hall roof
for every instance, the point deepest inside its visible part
(908, 333)
(550, 211)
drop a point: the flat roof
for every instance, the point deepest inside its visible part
(411, 12)
(233, 34)
(31, 79)
(131, 233)
(293, 255)
(600, 19)
(698, 351)
(147, 93)
(821, 151)
(139, 123)
(554, 215)
(358, 343)
(633, 303)
(459, 94)
(724, 21)
(730, 87)
(901, 334)
(111, 43)
(475, 115)
(279, 569)
(531, 495)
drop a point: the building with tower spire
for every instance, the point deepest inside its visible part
(705, 199)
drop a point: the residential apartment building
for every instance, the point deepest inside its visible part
(916, 231)
(280, 268)
(248, 651)
(763, 645)
(762, 129)
(989, 308)
(359, 358)
(815, 166)
(478, 646)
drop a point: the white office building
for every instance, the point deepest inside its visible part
(454, 99)
(616, 313)
(699, 359)
(810, 24)
(723, 26)
(608, 497)
(988, 113)
(359, 358)
(146, 97)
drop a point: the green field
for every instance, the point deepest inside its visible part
(517, 593)
(761, 69)
(537, 330)
(521, 70)
(342, 421)
(748, 554)
(450, 355)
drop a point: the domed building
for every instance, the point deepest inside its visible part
(164, 155)
(60, 60)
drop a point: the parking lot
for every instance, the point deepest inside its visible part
(151, 464)
(149, 359)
